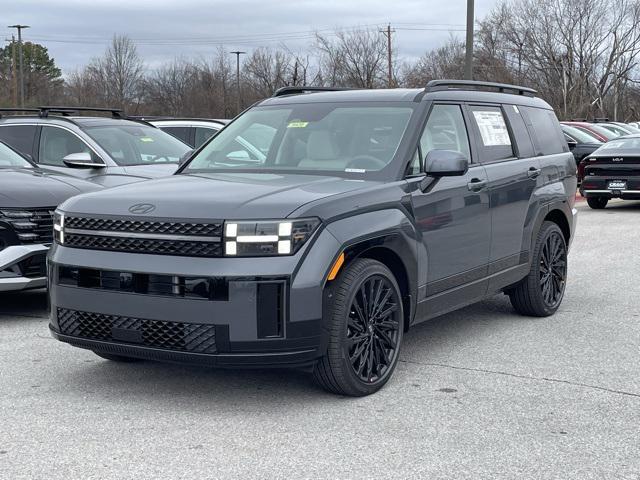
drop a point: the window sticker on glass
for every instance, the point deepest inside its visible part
(297, 124)
(492, 128)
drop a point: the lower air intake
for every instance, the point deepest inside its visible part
(184, 337)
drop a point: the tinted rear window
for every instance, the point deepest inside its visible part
(19, 137)
(548, 136)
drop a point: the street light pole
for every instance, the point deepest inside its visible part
(237, 53)
(20, 61)
(468, 58)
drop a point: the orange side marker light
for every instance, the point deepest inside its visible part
(336, 267)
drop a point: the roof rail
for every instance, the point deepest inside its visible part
(44, 111)
(302, 89)
(28, 110)
(439, 85)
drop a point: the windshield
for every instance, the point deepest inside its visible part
(603, 132)
(315, 137)
(11, 159)
(138, 144)
(580, 135)
(616, 129)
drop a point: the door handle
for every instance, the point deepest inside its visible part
(475, 185)
(533, 172)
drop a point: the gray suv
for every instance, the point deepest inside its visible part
(107, 151)
(351, 217)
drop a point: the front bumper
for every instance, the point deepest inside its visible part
(14, 271)
(254, 312)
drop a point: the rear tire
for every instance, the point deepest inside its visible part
(117, 358)
(541, 292)
(597, 203)
(365, 322)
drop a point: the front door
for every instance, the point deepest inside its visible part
(452, 215)
(56, 143)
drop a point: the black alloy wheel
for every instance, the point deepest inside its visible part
(364, 318)
(553, 269)
(541, 292)
(373, 328)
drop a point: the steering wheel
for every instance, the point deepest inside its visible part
(366, 162)
(158, 157)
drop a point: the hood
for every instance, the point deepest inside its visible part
(156, 170)
(216, 196)
(114, 177)
(32, 188)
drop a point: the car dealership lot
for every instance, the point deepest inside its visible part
(480, 393)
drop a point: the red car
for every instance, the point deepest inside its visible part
(598, 131)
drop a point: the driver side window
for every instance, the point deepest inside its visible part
(445, 130)
(56, 143)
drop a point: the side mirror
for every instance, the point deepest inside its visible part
(80, 160)
(185, 156)
(446, 163)
(572, 144)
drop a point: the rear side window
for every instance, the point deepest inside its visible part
(181, 133)
(202, 135)
(546, 131)
(20, 137)
(494, 137)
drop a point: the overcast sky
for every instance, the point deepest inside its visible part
(74, 31)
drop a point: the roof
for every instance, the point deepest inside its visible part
(404, 95)
(79, 121)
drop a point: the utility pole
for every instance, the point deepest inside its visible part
(20, 61)
(387, 33)
(468, 58)
(237, 53)
(14, 75)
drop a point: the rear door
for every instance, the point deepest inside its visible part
(513, 171)
(20, 137)
(452, 215)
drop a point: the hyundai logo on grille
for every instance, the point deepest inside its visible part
(142, 208)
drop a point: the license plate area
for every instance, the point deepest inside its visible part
(617, 185)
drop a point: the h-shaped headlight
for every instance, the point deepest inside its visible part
(58, 227)
(267, 238)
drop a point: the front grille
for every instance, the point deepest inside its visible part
(192, 239)
(184, 337)
(149, 246)
(30, 225)
(143, 226)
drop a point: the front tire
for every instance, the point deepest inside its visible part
(597, 203)
(541, 292)
(365, 327)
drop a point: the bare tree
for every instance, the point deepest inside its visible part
(118, 74)
(352, 59)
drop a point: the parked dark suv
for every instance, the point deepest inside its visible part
(366, 212)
